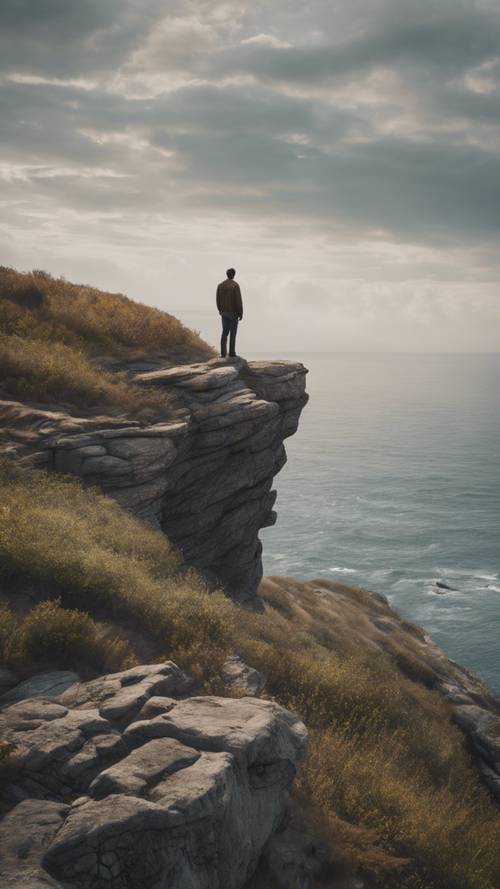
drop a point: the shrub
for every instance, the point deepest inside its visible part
(50, 632)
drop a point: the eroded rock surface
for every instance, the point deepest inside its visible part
(205, 477)
(238, 676)
(122, 783)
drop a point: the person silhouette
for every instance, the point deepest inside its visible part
(230, 308)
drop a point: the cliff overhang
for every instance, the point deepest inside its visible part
(204, 476)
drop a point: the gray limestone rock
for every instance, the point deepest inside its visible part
(54, 745)
(247, 728)
(42, 685)
(156, 705)
(237, 675)
(107, 466)
(25, 833)
(205, 478)
(143, 767)
(186, 797)
(120, 696)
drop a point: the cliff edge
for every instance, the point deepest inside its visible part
(204, 477)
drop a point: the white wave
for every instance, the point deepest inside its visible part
(339, 569)
(491, 586)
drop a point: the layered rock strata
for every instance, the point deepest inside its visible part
(205, 477)
(120, 784)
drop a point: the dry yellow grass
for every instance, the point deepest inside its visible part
(388, 782)
(43, 372)
(100, 559)
(51, 332)
(36, 305)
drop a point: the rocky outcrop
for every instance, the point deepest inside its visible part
(239, 677)
(476, 709)
(361, 620)
(122, 783)
(205, 477)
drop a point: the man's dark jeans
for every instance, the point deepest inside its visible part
(229, 326)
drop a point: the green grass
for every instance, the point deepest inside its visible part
(52, 332)
(388, 782)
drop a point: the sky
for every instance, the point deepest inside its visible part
(342, 155)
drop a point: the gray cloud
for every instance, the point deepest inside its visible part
(58, 38)
(442, 47)
(328, 122)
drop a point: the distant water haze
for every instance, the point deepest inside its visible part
(393, 483)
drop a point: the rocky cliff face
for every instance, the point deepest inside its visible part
(205, 477)
(124, 783)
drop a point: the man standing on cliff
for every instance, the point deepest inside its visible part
(230, 309)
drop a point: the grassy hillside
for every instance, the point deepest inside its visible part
(53, 333)
(388, 782)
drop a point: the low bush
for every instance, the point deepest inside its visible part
(55, 636)
(52, 632)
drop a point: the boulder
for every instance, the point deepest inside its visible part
(187, 795)
(120, 696)
(238, 676)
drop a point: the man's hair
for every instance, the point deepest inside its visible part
(231, 273)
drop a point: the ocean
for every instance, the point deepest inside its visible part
(393, 483)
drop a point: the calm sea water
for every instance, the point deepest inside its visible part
(393, 483)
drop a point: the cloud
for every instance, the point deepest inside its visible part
(266, 40)
(298, 126)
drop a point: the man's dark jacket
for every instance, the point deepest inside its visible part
(229, 299)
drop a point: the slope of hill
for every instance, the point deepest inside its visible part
(389, 784)
(65, 344)
(390, 796)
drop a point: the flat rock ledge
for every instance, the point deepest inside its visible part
(205, 477)
(124, 783)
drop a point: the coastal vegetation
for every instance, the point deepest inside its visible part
(388, 784)
(66, 344)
